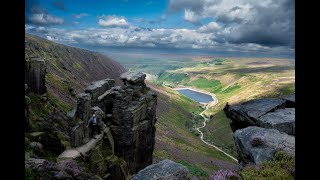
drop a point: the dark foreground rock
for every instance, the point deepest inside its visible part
(164, 170)
(263, 127)
(282, 119)
(268, 113)
(256, 144)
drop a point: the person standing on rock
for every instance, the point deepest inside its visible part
(93, 125)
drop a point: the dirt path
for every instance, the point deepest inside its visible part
(215, 101)
(207, 143)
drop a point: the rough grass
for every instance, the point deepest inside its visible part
(29, 174)
(174, 78)
(231, 88)
(205, 83)
(194, 170)
(281, 167)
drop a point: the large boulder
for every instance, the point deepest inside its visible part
(256, 144)
(37, 148)
(97, 88)
(163, 170)
(282, 119)
(133, 78)
(267, 113)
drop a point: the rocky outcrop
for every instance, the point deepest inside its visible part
(97, 88)
(282, 119)
(126, 116)
(163, 170)
(263, 127)
(133, 121)
(35, 70)
(256, 145)
(267, 113)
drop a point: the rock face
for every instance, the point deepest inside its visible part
(163, 170)
(256, 145)
(35, 70)
(282, 119)
(133, 120)
(263, 127)
(126, 115)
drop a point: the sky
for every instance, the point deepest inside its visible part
(263, 28)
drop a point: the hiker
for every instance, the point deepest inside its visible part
(93, 123)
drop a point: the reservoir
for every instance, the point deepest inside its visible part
(197, 96)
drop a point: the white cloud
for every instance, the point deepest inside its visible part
(45, 19)
(112, 21)
(50, 38)
(211, 27)
(191, 16)
(148, 38)
(269, 22)
(78, 16)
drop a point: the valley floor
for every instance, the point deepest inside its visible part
(175, 141)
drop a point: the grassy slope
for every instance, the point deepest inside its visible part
(71, 67)
(175, 141)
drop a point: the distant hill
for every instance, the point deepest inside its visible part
(71, 68)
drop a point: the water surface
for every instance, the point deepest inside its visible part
(197, 96)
